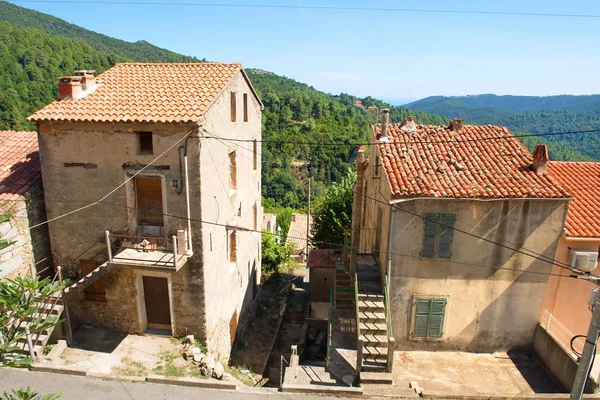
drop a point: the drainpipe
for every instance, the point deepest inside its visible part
(388, 271)
(187, 203)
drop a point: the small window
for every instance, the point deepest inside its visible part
(438, 231)
(245, 107)
(255, 154)
(232, 247)
(255, 210)
(377, 160)
(145, 141)
(233, 104)
(429, 318)
(232, 171)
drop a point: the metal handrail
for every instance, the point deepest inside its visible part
(330, 326)
(386, 295)
(356, 305)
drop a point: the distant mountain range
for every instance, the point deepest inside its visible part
(529, 115)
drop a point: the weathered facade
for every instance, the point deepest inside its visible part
(449, 212)
(167, 141)
(22, 251)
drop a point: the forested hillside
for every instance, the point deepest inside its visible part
(114, 49)
(533, 121)
(327, 126)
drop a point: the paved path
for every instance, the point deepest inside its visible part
(78, 387)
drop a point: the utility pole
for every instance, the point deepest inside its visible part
(308, 219)
(587, 356)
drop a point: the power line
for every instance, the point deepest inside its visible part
(406, 142)
(112, 191)
(321, 8)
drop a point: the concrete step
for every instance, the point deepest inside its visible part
(369, 276)
(369, 286)
(370, 296)
(87, 280)
(374, 340)
(371, 305)
(371, 316)
(380, 358)
(374, 366)
(375, 353)
(380, 327)
(376, 377)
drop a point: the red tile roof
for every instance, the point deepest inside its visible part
(323, 258)
(146, 92)
(297, 232)
(435, 161)
(582, 180)
(19, 163)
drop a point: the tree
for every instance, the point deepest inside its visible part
(28, 394)
(21, 299)
(332, 216)
(274, 255)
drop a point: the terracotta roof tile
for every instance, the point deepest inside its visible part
(435, 161)
(19, 163)
(582, 181)
(297, 232)
(146, 92)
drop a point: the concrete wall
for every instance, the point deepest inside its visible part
(321, 282)
(229, 286)
(558, 361)
(488, 309)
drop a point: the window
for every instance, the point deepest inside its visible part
(232, 247)
(364, 205)
(437, 235)
(377, 165)
(255, 154)
(245, 107)
(232, 171)
(145, 142)
(429, 318)
(233, 104)
(255, 210)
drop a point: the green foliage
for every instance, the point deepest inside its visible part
(28, 394)
(332, 217)
(275, 256)
(282, 214)
(20, 300)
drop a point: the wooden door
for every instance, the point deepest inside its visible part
(156, 298)
(149, 201)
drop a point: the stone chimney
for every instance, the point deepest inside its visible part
(385, 121)
(75, 87)
(540, 159)
(456, 124)
(409, 125)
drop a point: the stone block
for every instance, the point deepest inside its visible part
(10, 234)
(4, 228)
(11, 265)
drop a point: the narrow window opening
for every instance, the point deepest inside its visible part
(255, 210)
(255, 154)
(210, 239)
(232, 247)
(233, 104)
(145, 143)
(377, 165)
(232, 171)
(245, 107)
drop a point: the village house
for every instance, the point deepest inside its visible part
(565, 310)
(456, 226)
(298, 234)
(171, 245)
(22, 251)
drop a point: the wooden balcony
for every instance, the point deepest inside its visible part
(149, 252)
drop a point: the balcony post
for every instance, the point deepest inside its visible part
(107, 236)
(175, 251)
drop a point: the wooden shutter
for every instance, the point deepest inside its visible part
(429, 235)
(422, 318)
(436, 318)
(446, 232)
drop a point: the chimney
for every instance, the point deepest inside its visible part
(456, 124)
(540, 159)
(409, 125)
(385, 120)
(75, 87)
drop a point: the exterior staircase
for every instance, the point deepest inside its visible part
(343, 295)
(88, 279)
(375, 342)
(50, 307)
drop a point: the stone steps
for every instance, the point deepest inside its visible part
(374, 340)
(374, 366)
(376, 377)
(380, 327)
(88, 279)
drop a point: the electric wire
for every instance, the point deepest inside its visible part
(321, 8)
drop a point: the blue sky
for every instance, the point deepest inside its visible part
(397, 56)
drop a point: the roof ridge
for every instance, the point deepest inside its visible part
(573, 162)
(179, 63)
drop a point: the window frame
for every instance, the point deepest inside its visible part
(443, 231)
(233, 106)
(142, 136)
(232, 171)
(429, 333)
(245, 97)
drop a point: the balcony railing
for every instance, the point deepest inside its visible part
(149, 251)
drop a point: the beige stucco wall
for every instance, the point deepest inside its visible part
(565, 298)
(488, 309)
(230, 289)
(321, 281)
(207, 290)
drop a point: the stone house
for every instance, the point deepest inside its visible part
(172, 246)
(462, 222)
(22, 251)
(565, 311)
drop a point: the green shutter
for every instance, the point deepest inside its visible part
(436, 318)
(422, 318)
(429, 234)
(446, 233)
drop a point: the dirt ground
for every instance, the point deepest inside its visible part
(459, 373)
(99, 350)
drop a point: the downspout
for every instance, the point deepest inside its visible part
(388, 271)
(190, 250)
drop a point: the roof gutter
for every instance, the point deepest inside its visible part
(582, 239)
(403, 200)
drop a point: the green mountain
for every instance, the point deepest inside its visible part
(115, 49)
(530, 115)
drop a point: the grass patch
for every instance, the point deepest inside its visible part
(167, 366)
(130, 368)
(236, 372)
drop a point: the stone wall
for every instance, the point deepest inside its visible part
(17, 258)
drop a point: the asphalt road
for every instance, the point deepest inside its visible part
(79, 387)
